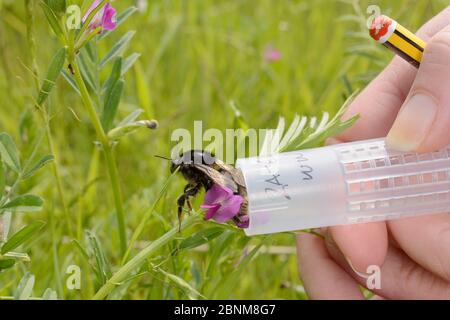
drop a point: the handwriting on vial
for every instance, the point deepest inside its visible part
(306, 170)
(226, 309)
(275, 186)
(275, 181)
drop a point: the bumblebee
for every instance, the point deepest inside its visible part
(202, 170)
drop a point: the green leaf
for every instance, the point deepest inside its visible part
(80, 248)
(121, 18)
(100, 257)
(143, 93)
(118, 48)
(58, 6)
(7, 263)
(38, 165)
(25, 287)
(276, 140)
(50, 294)
(9, 153)
(21, 236)
(182, 284)
(129, 62)
(131, 117)
(87, 68)
(201, 237)
(18, 256)
(327, 129)
(53, 72)
(85, 257)
(53, 21)
(111, 105)
(24, 203)
(305, 133)
(6, 219)
(113, 77)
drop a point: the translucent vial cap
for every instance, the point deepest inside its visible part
(342, 184)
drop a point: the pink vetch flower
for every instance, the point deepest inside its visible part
(221, 203)
(271, 54)
(244, 222)
(105, 17)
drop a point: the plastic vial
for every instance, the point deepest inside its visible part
(343, 184)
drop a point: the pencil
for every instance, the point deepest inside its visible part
(398, 39)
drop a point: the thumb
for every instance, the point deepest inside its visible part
(423, 123)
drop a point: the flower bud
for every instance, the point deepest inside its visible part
(119, 132)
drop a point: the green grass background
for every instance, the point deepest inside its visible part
(197, 56)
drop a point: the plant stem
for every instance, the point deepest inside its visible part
(143, 255)
(107, 149)
(56, 265)
(29, 10)
(114, 177)
(85, 97)
(57, 174)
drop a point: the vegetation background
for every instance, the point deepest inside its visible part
(195, 57)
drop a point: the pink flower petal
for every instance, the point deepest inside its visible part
(229, 209)
(212, 210)
(109, 18)
(244, 222)
(271, 54)
(105, 17)
(209, 206)
(217, 194)
(91, 8)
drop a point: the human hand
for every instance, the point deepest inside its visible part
(411, 107)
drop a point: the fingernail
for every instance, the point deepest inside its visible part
(359, 273)
(413, 123)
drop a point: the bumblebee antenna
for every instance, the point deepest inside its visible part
(161, 157)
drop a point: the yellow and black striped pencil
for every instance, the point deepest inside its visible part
(398, 39)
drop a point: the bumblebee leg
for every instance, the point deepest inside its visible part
(180, 217)
(180, 203)
(190, 193)
(187, 200)
(189, 204)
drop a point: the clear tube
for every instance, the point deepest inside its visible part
(343, 184)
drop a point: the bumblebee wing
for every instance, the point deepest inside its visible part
(223, 179)
(238, 179)
(236, 174)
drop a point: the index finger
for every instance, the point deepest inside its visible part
(379, 103)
